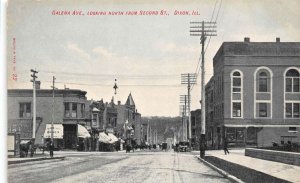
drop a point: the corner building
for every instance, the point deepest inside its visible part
(255, 97)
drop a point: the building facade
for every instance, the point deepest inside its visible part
(69, 110)
(255, 97)
(196, 128)
(129, 121)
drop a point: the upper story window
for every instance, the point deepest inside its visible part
(292, 110)
(67, 110)
(95, 119)
(236, 109)
(263, 79)
(263, 82)
(25, 110)
(236, 95)
(292, 78)
(82, 108)
(236, 82)
(263, 112)
(70, 110)
(74, 110)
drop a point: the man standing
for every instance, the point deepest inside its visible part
(51, 148)
(225, 146)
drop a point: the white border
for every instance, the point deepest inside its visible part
(3, 95)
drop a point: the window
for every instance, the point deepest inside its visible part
(296, 110)
(82, 107)
(25, 110)
(292, 78)
(74, 110)
(263, 110)
(236, 82)
(288, 110)
(67, 110)
(263, 82)
(115, 124)
(292, 110)
(236, 109)
(95, 119)
(236, 95)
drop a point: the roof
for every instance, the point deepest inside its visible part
(259, 49)
(130, 101)
(45, 92)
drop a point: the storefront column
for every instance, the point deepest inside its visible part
(97, 142)
(85, 144)
(90, 143)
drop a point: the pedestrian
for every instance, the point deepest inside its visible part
(51, 148)
(225, 147)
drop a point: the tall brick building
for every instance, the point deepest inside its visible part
(128, 112)
(254, 94)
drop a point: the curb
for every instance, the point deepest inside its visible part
(35, 159)
(222, 172)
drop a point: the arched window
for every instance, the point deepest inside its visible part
(236, 94)
(292, 81)
(236, 82)
(263, 82)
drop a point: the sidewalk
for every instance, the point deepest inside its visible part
(275, 169)
(38, 156)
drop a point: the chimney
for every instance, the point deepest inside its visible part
(278, 40)
(246, 39)
(37, 85)
(119, 102)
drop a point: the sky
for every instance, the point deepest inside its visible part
(145, 53)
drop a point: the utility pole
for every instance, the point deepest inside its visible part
(189, 79)
(33, 75)
(203, 29)
(53, 95)
(183, 109)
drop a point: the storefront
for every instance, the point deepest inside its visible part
(58, 133)
(107, 141)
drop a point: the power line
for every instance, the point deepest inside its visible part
(114, 75)
(216, 19)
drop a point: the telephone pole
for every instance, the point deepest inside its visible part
(203, 29)
(183, 109)
(53, 95)
(33, 75)
(189, 79)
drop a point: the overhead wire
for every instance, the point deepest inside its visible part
(199, 61)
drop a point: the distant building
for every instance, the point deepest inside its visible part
(255, 98)
(196, 128)
(129, 120)
(69, 112)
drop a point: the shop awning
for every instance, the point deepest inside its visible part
(104, 138)
(112, 138)
(83, 132)
(58, 131)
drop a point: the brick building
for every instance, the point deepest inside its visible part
(69, 112)
(196, 128)
(128, 112)
(255, 97)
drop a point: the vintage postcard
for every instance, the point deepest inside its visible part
(152, 91)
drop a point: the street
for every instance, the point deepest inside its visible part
(142, 166)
